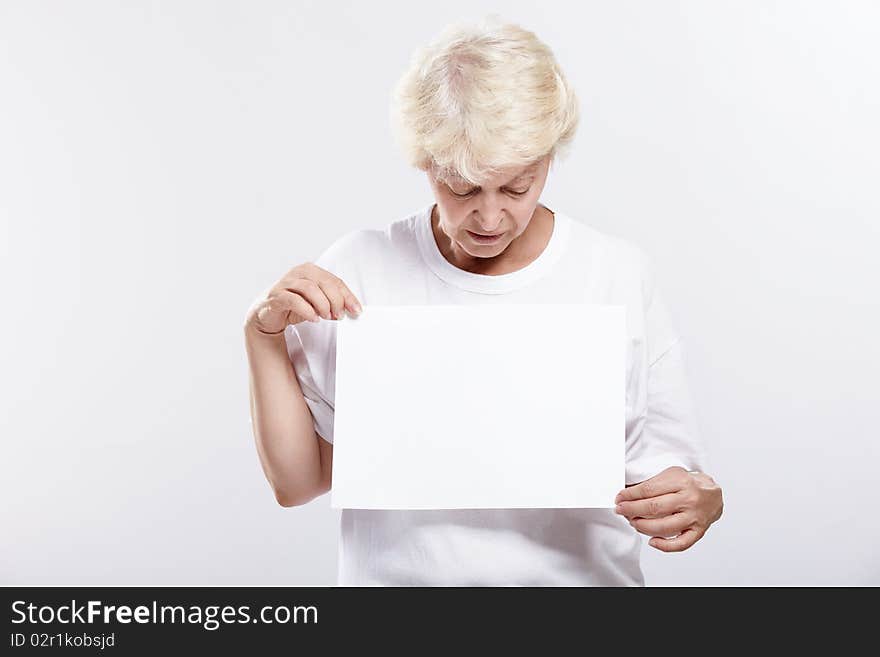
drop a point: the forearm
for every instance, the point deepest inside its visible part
(282, 423)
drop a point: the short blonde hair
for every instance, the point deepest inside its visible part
(480, 99)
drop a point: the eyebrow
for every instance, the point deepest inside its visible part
(525, 174)
(529, 172)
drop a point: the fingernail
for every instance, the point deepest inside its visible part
(618, 509)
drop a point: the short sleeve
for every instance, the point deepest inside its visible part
(662, 430)
(311, 347)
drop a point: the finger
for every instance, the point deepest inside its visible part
(311, 292)
(349, 301)
(298, 309)
(334, 295)
(352, 305)
(671, 480)
(663, 527)
(681, 542)
(654, 507)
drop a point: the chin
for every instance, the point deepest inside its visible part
(486, 251)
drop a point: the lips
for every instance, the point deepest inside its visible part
(484, 239)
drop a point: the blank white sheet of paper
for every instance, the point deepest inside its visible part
(480, 406)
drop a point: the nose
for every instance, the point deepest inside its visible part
(491, 213)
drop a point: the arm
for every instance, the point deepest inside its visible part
(295, 459)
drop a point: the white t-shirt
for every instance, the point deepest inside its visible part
(402, 265)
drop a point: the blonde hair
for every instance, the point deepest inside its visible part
(480, 99)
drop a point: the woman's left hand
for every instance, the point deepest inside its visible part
(675, 507)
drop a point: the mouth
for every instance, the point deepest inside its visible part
(484, 239)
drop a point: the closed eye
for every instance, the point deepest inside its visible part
(473, 191)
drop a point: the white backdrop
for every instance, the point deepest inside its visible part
(164, 162)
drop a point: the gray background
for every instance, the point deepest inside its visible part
(162, 163)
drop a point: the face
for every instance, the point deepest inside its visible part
(483, 220)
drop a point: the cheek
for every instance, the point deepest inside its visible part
(522, 218)
(452, 215)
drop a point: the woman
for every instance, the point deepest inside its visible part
(483, 111)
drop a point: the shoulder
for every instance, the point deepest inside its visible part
(621, 261)
(623, 272)
(368, 254)
(351, 245)
(361, 242)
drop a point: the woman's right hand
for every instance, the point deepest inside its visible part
(306, 292)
